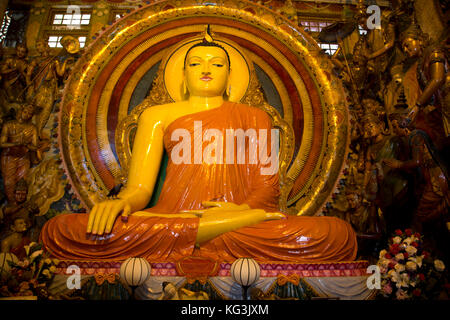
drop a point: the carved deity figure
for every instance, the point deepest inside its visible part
(19, 144)
(16, 240)
(42, 79)
(20, 205)
(432, 187)
(243, 219)
(423, 82)
(13, 73)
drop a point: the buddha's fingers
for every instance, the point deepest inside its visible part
(114, 213)
(98, 216)
(275, 216)
(91, 219)
(104, 218)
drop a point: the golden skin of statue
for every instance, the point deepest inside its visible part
(206, 78)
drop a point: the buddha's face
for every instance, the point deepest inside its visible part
(412, 47)
(206, 71)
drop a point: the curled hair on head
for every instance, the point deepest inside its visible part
(206, 43)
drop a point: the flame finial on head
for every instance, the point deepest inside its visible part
(208, 36)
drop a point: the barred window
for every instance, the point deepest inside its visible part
(314, 26)
(70, 19)
(54, 41)
(329, 48)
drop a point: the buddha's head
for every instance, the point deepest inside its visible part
(206, 70)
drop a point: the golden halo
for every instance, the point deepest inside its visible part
(174, 65)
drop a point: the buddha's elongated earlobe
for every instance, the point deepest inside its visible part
(185, 90)
(229, 91)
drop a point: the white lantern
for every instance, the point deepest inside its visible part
(135, 271)
(4, 265)
(246, 272)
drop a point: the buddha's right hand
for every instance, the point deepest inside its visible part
(103, 215)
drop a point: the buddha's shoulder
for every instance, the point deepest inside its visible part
(163, 109)
(251, 110)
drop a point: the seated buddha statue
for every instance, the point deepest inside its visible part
(212, 204)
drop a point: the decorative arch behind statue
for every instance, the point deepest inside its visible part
(106, 81)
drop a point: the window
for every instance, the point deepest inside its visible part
(314, 26)
(54, 41)
(329, 48)
(71, 19)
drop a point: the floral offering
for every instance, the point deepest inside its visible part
(408, 271)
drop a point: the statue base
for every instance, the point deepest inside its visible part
(286, 281)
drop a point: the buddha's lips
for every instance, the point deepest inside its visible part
(206, 78)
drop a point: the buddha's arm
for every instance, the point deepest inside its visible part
(144, 168)
(146, 157)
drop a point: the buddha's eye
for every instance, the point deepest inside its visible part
(219, 65)
(193, 64)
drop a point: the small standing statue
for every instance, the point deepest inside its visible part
(42, 79)
(13, 72)
(423, 83)
(19, 144)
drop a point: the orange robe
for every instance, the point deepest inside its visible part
(294, 239)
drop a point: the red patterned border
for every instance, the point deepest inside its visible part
(326, 269)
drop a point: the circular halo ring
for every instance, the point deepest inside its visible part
(83, 158)
(175, 65)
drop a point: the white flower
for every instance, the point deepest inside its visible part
(36, 254)
(399, 267)
(28, 247)
(399, 257)
(411, 250)
(397, 239)
(401, 295)
(408, 241)
(417, 260)
(383, 262)
(394, 275)
(411, 266)
(382, 253)
(439, 265)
